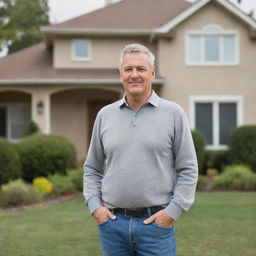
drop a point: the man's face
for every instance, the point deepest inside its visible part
(137, 74)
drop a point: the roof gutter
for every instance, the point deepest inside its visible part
(87, 31)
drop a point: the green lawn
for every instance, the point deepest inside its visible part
(219, 224)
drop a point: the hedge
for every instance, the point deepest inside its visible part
(10, 166)
(237, 177)
(242, 145)
(216, 159)
(42, 155)
(17, 193)
(199, 143)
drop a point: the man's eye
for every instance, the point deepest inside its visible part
(141, 69)
(127, 69)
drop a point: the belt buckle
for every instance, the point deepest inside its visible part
(129, 212)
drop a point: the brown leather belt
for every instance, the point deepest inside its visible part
(137, 212)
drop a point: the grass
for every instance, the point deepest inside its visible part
(219, 224)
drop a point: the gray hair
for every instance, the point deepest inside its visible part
(131, 48)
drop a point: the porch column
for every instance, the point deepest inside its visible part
(41, 111)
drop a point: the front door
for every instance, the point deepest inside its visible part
(93, 109)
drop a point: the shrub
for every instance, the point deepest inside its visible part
(199, 143)
(216, 159)
(62, 184)
(242, 144)
(42, 155)
(204, 183)
(17, 193)
(76, 176)
(10, 166)
(32, 128)
(43, 185)
(237, 177)
(211, 174)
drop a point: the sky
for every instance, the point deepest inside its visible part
(62, 10)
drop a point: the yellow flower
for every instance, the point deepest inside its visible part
(43, 185)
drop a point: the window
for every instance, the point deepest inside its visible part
(215, 118)
(14, 119)
(81, 49)
(212, 46)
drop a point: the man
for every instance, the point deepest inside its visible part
(141, 168)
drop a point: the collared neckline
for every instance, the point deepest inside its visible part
(154, 100)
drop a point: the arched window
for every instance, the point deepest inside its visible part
(212, 46)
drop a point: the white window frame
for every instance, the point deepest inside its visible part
(212, 29)
(8, 123)
(215, 100)
(76, 58)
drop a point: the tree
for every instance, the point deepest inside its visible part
(20, 22)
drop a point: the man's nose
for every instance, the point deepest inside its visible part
(134, 73)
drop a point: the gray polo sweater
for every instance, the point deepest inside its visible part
(141, 159)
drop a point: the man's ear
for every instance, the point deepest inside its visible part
(153, 73)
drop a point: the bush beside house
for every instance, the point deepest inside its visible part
(42, 155)
(16, 193)
(242, 145)
(237, 177)
(10, 166)
(216, 159)
(33, 159)
(232, 168)
(199, 143)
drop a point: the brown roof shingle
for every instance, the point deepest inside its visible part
(128, 14)
(35, 62)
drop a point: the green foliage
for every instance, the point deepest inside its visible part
(212, 174)
(199, 143)
(42, 155)
(216, 159)
(20, 22)
(242, 144)
(203, 183)
(32, 128)
(10, 166)
(62, 184)
(76, 176)
(43, 185)
(17, 193)
(237, 177)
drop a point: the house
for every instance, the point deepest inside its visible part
(206, 56)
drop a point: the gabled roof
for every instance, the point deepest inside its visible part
(128, 14)
(139, 17)
(201, 3)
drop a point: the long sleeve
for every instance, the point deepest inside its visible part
(186, 168)
(94, 168)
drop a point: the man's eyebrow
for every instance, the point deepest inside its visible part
(139, 66)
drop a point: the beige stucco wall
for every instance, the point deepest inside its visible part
(105, 53)
(69, 115)
(183, 81)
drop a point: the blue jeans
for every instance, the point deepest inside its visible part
(128, 236)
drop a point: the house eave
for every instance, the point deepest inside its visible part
(190, 11)
(51, 33)
(92, 31)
